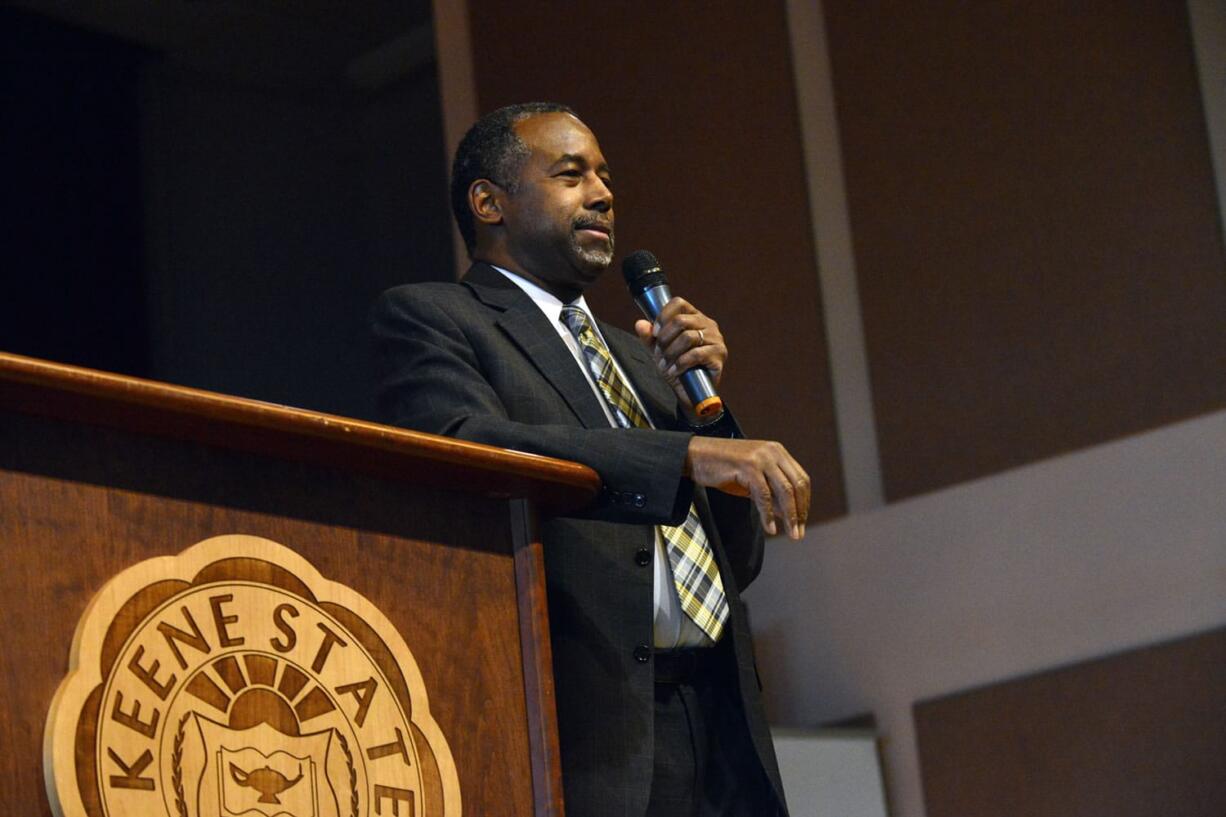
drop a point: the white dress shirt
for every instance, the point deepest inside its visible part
(672, 627)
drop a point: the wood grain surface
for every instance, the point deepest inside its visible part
(100, 398)
(81, 501)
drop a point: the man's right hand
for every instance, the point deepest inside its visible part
(763, 471)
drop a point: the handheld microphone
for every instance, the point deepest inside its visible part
(649, 288)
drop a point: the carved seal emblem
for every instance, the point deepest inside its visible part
(233, 680)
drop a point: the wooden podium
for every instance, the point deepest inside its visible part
(99, 473)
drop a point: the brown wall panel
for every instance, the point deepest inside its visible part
(1035, 227)
(1132, 735)
(695, 110)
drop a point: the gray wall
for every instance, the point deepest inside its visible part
(1115, 546)
(1079, 556)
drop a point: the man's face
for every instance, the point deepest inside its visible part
(559, 220)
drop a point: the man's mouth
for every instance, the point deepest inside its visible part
(595, 228)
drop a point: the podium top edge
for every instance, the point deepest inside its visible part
(91, 397)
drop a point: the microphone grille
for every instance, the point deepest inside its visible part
(642, 270)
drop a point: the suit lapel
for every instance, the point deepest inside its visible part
(530, 330)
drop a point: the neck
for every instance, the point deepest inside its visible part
(564, 293)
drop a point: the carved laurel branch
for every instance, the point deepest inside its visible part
(176, 777)
(353, 775)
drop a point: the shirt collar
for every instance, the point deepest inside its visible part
(545, 300)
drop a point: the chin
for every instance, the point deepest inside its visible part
(600, 262)
(595, 259)
(590, 260)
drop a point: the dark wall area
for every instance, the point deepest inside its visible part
(72, 253)
(275, 221)
(208, 230)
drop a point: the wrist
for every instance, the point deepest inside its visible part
(694, 452)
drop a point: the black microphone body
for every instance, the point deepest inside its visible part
(650, 291)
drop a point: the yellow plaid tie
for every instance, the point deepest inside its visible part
(695, 573)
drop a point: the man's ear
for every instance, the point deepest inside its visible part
(485, 200)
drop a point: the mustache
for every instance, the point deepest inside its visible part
(593, 223)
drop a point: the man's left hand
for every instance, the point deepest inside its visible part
(683, 338)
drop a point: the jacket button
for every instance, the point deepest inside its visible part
(642, 557)
(642, 653)
(640, 501)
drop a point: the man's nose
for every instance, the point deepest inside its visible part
(601, 199)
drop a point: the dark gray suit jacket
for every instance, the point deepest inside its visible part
(479, 361)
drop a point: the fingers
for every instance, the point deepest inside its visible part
(643, 329)
(675, 306)
(787, 503)
(686, 339)
(764, 471)
(798, 479)
(760, 494)
(692, 339)
(683, 331)
(788, 487)
(805, 491)
(704, 357)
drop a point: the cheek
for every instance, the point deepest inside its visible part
(555, 219)
(546, 216)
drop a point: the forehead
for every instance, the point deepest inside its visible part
(551, 136)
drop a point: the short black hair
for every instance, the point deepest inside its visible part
(491, 150)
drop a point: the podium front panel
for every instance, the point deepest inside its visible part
(80, 504)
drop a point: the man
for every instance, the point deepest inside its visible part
(658, 702)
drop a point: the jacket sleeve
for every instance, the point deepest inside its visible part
(433, 381)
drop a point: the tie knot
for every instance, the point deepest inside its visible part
(576, 320)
